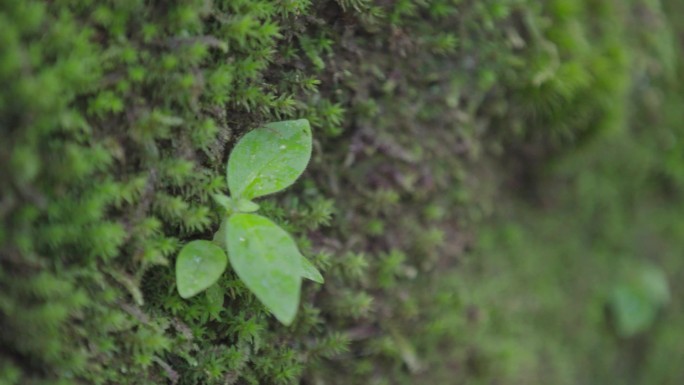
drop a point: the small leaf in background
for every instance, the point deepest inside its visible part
(199, 265)
(269, 159)
(636, 301)
(268, 261)
(310, 272)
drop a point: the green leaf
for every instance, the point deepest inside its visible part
(269, 159)
(634, 313)
(223, 201)
(310, 272)
(199, 265)
(638, 298)
(231, 206)
(267, 260)
(247, 206)
(220, 235)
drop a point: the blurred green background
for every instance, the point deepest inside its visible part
(578, 278)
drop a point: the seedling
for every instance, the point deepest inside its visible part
(264, 256)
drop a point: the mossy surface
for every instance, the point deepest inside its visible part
(117, 119)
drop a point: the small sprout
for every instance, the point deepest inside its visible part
(264, 256)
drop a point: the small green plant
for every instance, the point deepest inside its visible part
(263, 255)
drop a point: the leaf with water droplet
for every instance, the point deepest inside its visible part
(267, 261)
(310, 272)
(269, 159)
(198, 266)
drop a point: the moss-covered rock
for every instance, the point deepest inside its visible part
(117, 118)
